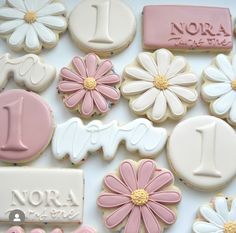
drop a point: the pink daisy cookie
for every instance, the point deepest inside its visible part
(89, 85)
(139, 198)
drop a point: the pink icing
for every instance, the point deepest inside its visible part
(15, 229)
(187, 27)
(131, 178)
(26, 125)
(89, 100)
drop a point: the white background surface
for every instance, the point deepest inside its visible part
(95, 168)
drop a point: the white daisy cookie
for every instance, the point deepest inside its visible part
(218, 216)
(219, 88)
(32, 24)
(159, 85)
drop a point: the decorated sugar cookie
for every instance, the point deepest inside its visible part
(218, 216)
(219, 88)
(32, 24)
(77, 140)
(140, 198)
(89, 85)
(201, 151)
(159, 85)
(26, 126)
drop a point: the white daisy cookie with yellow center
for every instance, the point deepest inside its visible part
(219, 88)
(218, 216)
(159, 85)
(32, 24)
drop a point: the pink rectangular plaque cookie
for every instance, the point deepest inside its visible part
(187, 28)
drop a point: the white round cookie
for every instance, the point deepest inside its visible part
(201, 151)
(105, 27)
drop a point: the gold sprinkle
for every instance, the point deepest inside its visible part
(233, 84)
(161, 83)
(90, 83)
(30, 17)
(230, 227)
(139, 197)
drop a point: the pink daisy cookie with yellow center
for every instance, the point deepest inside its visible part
(139, 198)
(89, 85)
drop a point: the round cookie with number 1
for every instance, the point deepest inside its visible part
(26, 126)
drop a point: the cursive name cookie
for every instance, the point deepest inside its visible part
(26, 126)
(105, 27)
(28, 71)
(75, 139)
(201, 150)
(159, 85)
(139, 197)
(219, 88)
(43, 195)
(31, 25)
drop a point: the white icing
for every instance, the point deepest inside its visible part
(27, 71)
(218, 89)
(215, 217)
(144, 99)
(44, 31)
(75, 139)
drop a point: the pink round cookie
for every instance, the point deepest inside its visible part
(26, 126)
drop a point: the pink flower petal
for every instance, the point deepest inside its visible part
(67, 86)
(109, 92)
(91, 64)
(79, 66)
(151, 223)
(69, 75)
(74, 99)
(159, 181)
(166, 197)
(57, 230)
(116, 217)
(85, 229)
(110, 200)
(134, 221)
(103, 68)
(162, 212)
(87, 105)
(145, 172)
(116, 185)
(128, 174)
(37, 230)
(99, 101)
(15, 229)
(109, 79)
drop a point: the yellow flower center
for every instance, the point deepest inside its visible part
(30, 17)
(90, 83)
(230, 227)
(233, 84)
(139, 197)
(161, 83)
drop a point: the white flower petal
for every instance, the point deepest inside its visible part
(206, 227)
(32, 40)
(234, 63)
(211, 216)
(215, 75)
(9, 26)
(138, 73)
(223, 63)
(11, 13)
(45, 34)
(54, 22)
(232, 213)
(186, 94)
(145, 101)
(187, 79)
(221, 207)
(214, 90)
(31, 5)
(160, 106)
(135, 87)
(40, 4)
(19, 4)
(177, 65)
(232, 117)
(17, 38)
(163, 58)
(148, 63)
(52, 9)
(175, 105)
(222, 105)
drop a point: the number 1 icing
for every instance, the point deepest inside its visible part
(75, 139)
